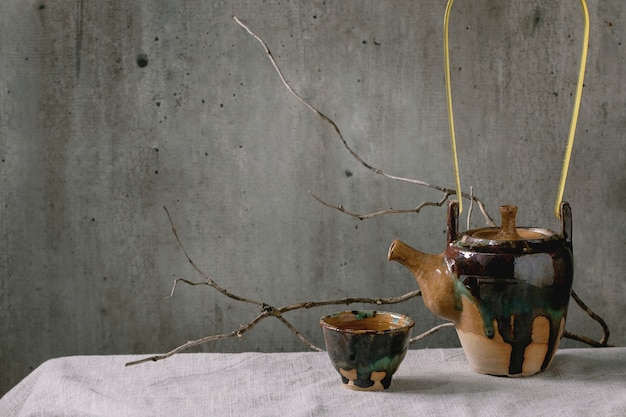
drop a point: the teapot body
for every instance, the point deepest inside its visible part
(505, 289)
(513, 301)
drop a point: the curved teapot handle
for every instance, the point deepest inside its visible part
(572, 128)
(574, 120)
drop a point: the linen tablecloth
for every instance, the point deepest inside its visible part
(430, 382)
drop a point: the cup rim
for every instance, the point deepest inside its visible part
(408, 322)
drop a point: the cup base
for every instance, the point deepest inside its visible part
(379, 380)
(375, 387)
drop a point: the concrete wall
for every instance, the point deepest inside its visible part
(110, 110)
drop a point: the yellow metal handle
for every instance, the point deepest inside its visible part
(574, 121)
(577, 97)
(446, 53)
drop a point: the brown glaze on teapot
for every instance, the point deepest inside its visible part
(505, 289)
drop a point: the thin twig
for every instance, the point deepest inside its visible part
(471, 207)
(382, 212)
(447, 191)
(193, 343)
(299, 334)
(584, 339)
(209, 281)
(352, 300)
(605, 329)
(430, 332)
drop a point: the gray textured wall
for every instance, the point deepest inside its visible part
(93, 145)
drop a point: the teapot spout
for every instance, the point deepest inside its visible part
(433, 277)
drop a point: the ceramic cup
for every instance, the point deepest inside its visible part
(366, 347)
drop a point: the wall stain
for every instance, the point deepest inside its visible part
(537, 17)
(142, 60)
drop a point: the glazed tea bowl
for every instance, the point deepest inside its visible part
(366, 347)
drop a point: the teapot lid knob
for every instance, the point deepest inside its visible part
(508, 231)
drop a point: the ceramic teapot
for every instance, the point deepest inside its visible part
(505, 289)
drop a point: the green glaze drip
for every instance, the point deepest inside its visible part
(387, 363)
(364, 314)
(459, 291)
(513, 305)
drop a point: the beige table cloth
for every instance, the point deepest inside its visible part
(430, 382)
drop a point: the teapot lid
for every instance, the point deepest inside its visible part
(508, 234)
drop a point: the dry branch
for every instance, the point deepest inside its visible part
(271, 311)
(447, 191)
(267, 310)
